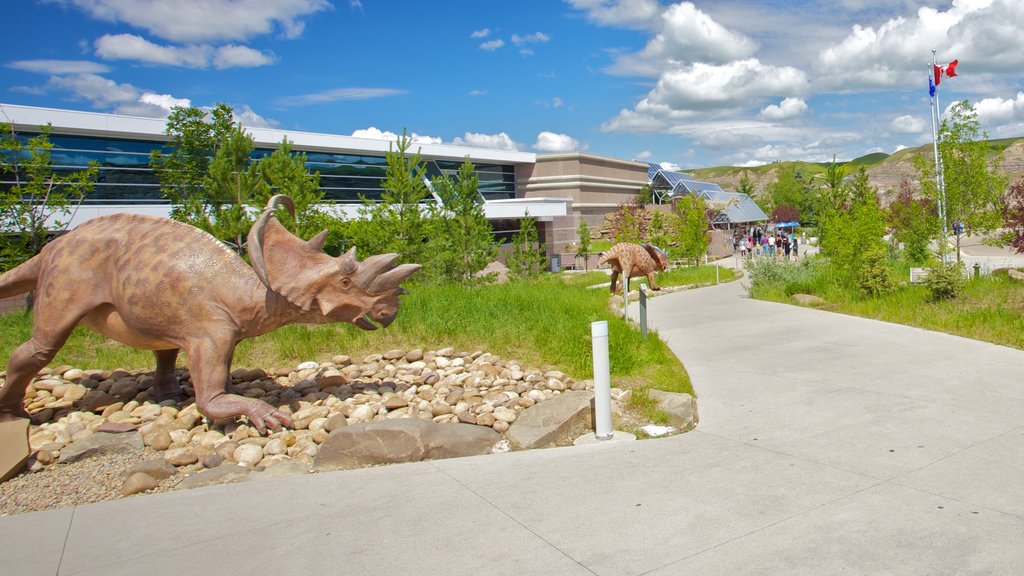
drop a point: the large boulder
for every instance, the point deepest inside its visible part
(14, 447)
(224, 474)
(554, 422)
(1015, 274)
(681, 408)
(808, 300)
(102, 443)
(401, 440)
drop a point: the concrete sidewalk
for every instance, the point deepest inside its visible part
(828, 444)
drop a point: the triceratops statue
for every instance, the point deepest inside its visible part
(165, 286)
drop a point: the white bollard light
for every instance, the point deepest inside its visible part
(602, 381)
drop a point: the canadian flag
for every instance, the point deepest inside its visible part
(947, 71)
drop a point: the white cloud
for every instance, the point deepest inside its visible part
(477, 92)
(132, 47)
(338, 95)
(482, 33)
(207, 20)
(375, 133)
(685, 35)
(788, 108)
(235, 56)
(977, 32)
(899, 147)
(670, 166)
(552, 142)
(907, 125)
(535, 38)
(123, 98)
(59, 66)
(501, 141)
(492, 45)
(627, 13)
(1002, 117)
(101, 92)
(643, 155)
(751, 164)
(250, 119)
(688, 94)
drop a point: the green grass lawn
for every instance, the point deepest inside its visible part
(990, 309)
(544, 324)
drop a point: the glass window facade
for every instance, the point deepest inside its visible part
(126, 178)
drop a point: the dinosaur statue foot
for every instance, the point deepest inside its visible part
(260, 414)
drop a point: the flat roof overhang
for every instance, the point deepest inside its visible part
(137, 127)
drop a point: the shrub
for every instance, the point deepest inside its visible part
(875, 277)
(768, 275)
(945, 281)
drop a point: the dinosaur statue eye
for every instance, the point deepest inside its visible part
(346, 283)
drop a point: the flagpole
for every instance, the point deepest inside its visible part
(940, 183)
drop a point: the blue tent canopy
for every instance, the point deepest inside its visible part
(787, 224)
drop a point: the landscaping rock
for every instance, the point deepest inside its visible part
(138, 482)
(681, 408)
(1015, 274)
(101, 443)
(553, 422)
(402, 440)
(157, 468)
(224, 474)
(808, 300)
(14, 448)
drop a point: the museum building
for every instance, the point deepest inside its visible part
(557, 189)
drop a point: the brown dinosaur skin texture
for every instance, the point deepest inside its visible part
(161, 285)
(633, 260)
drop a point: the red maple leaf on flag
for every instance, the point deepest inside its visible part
(947, 71)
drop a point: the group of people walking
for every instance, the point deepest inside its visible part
(757, 242)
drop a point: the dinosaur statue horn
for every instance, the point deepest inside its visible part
(317, 242)
(391, 279)
(255, 238)
(374, 266)
(349, 264)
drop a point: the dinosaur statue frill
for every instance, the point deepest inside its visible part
(161, 285)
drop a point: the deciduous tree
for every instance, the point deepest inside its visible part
(40, 202)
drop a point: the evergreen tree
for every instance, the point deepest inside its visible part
(527, 258)
(847, 235)
(397, 223)
(583, 242)
(463, 241)
(285, 172)
(232, 184)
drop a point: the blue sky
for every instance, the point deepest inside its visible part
(689, 84)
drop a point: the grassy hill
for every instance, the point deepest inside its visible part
(885, 171)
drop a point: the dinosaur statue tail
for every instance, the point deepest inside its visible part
(20, 279)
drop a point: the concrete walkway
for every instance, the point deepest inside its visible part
(828, 445)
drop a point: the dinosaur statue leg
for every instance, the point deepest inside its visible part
(650, 281)
(27, 359)
(165, 382)
(615, 280)
(209, 365)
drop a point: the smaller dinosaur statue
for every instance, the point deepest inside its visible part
(633, 260)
